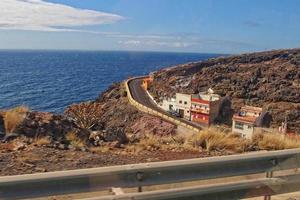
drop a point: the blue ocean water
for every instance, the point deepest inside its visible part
(52, 80)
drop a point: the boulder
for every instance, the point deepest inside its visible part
(113, 134)
(38, 124)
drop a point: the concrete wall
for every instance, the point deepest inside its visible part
(214, 110)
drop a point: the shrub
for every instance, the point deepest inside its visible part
(213, 139)
(275, 141)
(85, 115)
(14, 117)
(150, 142)
(75, 141)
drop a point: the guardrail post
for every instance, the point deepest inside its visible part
(140, 177)
(270, 174)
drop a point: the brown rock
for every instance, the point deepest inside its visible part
(38, 124)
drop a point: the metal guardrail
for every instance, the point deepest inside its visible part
(231, 191)
(154, 112)
(158, 173)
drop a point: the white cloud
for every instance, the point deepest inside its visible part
(130, 42)
(157, 43)
(40, 15)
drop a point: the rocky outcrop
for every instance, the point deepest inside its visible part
(153, 125)
(259, 79)
(38, 124)
(111, 135)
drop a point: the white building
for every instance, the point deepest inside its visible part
(205, 107)
(183, 103)
(246, 120)
(169, 105)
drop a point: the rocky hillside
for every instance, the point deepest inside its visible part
(116, 121)
(268, 79)
(117, 113)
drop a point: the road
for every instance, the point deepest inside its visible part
(140, 95)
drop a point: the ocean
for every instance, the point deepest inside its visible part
(52, 80)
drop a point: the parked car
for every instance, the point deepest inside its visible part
(174, 113)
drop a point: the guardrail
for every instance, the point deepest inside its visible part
(158, 173)
(145, 109)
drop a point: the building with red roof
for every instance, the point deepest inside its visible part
(247, 119)
(205, 107)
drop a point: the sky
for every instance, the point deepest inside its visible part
(205, 26)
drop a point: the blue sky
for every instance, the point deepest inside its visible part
(216, 26)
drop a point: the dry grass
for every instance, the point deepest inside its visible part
(275, 141)
(211, 139)
(42, 141)
(150, 142)
(75, 141)
(153, 143)
(214, 139)
(14, 117)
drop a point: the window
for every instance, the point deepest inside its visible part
(249, 127)
(185, 103)
(180, 102)
(239, 125)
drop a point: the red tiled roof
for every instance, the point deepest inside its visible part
(251, 109)
(246, 119)
(200, 101)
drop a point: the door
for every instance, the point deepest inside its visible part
(181, 113)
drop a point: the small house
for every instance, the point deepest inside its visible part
(248, 119)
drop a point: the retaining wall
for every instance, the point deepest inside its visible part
(154, 112)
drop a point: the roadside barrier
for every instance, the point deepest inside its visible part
(274, 165)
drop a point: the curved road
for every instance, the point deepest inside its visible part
(140, 95)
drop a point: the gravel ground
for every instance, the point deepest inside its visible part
(44, 159)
